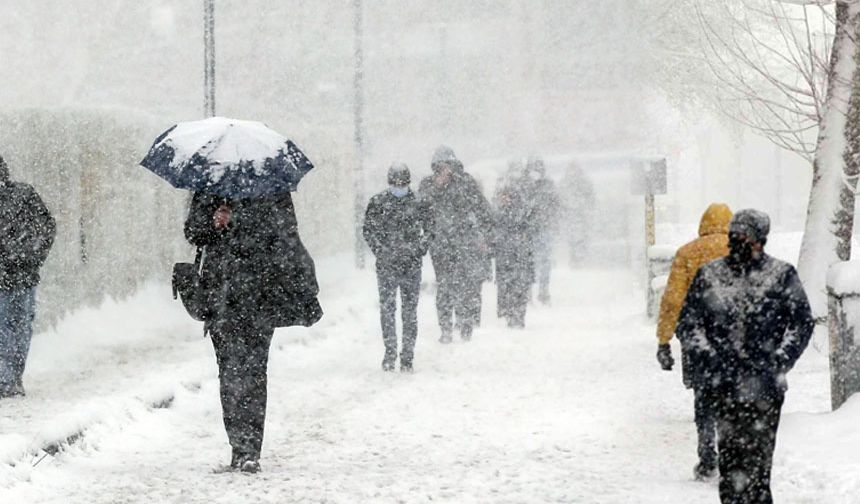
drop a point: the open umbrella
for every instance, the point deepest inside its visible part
(227, 157)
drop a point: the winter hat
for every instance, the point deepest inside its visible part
(4, 170)
(753, 223)
(399, 175)
(444, 155)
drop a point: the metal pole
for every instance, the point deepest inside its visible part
(209, 57)
(650, 239)
(650, 234)
(358, 172)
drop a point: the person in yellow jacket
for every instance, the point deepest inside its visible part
(711, 244)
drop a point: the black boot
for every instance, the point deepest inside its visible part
(466, 332)
(446, 336)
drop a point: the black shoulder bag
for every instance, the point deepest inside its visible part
(187, 286)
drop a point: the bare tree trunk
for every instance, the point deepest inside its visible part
(830, 215)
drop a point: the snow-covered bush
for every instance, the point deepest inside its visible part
(117, 224)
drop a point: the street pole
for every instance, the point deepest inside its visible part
(358, 109)
(209, 58)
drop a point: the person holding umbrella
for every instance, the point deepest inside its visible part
(255, 272)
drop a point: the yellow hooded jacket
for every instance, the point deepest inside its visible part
(711, 244)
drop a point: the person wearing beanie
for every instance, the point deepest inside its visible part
(745, 322)
(27, 232)
(460, 246)
(712, 243)
(397, 230)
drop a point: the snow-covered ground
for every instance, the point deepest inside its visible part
(573, 409)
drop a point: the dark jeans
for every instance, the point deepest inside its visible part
(17, 309)
(408, 280)
(242, 352)
(746, 432)
(460, 297)
(705, 404)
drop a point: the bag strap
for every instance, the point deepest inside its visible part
(199, 259)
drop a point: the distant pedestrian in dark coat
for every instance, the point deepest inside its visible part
(27, 232)
(745, 322)
(578, 200)
(513, 247)
(462, 229)
(258, 276)
(397, 229)
(543, 197)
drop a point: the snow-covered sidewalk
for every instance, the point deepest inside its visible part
(572, 409)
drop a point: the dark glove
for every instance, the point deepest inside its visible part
(664, 356)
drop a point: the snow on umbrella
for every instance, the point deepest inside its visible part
(227, 157)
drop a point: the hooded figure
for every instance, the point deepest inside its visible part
(397, 230)
(258, 276)
(513, 247)
(546, 207)
(27, 232)
(461, 233)
(745, 322)
(711, 244)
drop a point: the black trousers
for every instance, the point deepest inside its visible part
(705, 404)
(457, 295)
(242, 352)
(406, 278)
(746, 431)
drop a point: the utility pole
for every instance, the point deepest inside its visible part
(209, 58)
(358, 109)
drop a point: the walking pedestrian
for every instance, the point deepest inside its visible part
(515, 231)
(461, 231)
(258, 276)
(27, 232)
(711, 244)
(578, 200)
(545, 200)
(397, 229)
(745, 322)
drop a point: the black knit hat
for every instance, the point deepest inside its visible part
(399, 175)
(753, 223)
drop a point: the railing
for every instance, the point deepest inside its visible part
(117, 224)
(843, 307)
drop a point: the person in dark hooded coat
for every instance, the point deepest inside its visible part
(397, 230)
(513, 249)
(745, 322)
(462, 230)
(544, 198)
(27, 232)
(258, 276)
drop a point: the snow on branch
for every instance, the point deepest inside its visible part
(770, 65)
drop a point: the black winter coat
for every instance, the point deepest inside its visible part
(513, 247)
(257, 270)
(744, 326)
(397, 230)
(27, 232)
(462, 226)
